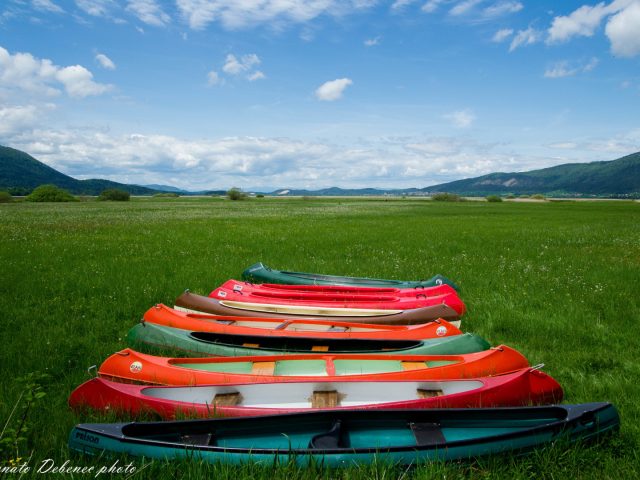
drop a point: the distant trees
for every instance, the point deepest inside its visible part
(494, 198)
(50, 193)
(447, 197)
(5, 197)
(114, 195)
(236, 194)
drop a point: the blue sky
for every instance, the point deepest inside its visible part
(313, 93)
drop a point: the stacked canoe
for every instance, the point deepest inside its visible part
(340, 369)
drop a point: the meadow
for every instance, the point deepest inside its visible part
(559, 281)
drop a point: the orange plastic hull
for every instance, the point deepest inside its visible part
(131, 366)
(272, 327)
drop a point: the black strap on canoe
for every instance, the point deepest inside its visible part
(329, 440)
(427, 434)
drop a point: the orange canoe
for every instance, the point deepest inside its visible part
(272, 327)
(131, 366)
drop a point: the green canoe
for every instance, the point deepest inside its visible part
(151, 336)
(259, 273)
(405, 437)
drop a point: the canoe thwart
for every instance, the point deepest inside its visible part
(413, 365)
(320, 348)
(263, 368)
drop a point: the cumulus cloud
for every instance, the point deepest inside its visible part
(502, 8)
(22, 71)
(623, 31)
(149, 12)
(566, 69)
(236, 66)
(502, 35)
(234, 14)
(95, 8)
(332, 90)
(14, 119)
(525, 37)
(257, 75)
(372, 42)
(463, 7)
(105, 62)
(213, 78)
(461, 118)
(46, 6)
(399, 4)
(431, 6)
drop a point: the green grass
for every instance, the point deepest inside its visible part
(558, 281)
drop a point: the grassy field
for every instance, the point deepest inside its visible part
(560, 281)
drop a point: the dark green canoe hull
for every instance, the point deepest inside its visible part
(259, 273)
(353, 436)
(151, 337)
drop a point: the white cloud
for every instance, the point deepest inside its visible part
(372, 42)
(623, 31)
(502, 8)
(332, 90)
(95, 8)
(213, 78)
(525, 37)
(14, 120)
(235, 14)
(431, 6)
(149, 12)
(464, 7)
(564, 145)
(461, 118)
(105, 62)
(502, 35)
(399, 4)
(566, 69)
(257, 75)
(236, 66)
(23, 71)
(46, 6)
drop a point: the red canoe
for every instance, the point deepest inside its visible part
(271, 327)
(522, 387)
(328, 291)
(443, 295)
(131, 366)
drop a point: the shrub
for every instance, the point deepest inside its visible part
(50, 193)
(5, 197)
(260, 195)
(538, 196)
(511, 197)
(115, 195)
(166, 195)
(236, 194)
(494, 198)
(447, 197)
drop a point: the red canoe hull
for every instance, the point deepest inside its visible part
(523, 387)
(131, 366)
(270, 327)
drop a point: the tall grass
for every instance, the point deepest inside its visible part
(558, 281)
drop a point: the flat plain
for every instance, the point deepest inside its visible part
(559, 281)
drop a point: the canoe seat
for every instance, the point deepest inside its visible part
(427, 434)
(320, 348)
(328, 440)
(251, 345)
(335, 328)
(413, 365)
(226, 322)
(226, 399)
(263, 368)
(325, 399)
(423, 393)
(197, 439)
(282, 326)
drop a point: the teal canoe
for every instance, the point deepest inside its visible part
(157, 337)
(405, 437)
(260, 273)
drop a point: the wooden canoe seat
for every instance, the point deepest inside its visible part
(422, 393)
(227, 399)
(328, 399)
(251, 345)
(413, 365)
(334, 328)
(263, 368)
(320, 348)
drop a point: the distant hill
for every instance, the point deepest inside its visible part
(20, 173)
(619, 177)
